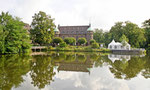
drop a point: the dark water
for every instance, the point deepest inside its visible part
(74, 71)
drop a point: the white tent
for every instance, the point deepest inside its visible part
(119, 46)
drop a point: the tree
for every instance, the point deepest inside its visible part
(14, 38)
(2, 38)
(92, 41)
(63, 44)
(131, 31)
(99, 36)
(95, 45)
(146, 25)
(70, 40)
(117, 30)
(42, 30)
(123, 38)
(82, 41)
(57, 40)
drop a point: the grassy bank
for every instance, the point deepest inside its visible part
(78, 49)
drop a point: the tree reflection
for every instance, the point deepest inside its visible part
(102, 61)
(70, 58)
(81, 57)
(12, 69)
(146, 71)
(58, 56)
(94, 56)
(42, 71)
(123, 69)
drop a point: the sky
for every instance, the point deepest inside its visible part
(102, 14)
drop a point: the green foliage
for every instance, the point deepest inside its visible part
(123, 38)
(62, 44)
(81, 57)
(92, 41)
(12, 70)
(70, 40)
(146, 26)
(98, 35)
(57, 40)
(95, 45)
(82, 41)
(43, 27)
(102, 37)
(42, 71)
(127, 31)
(13, 37)
(131, 31)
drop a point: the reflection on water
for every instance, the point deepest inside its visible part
(44, 69)
(114, 57)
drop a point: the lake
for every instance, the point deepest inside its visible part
(74, 71)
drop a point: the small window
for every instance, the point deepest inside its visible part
(110, 46)
(115, 47)
(127, 47)
(63, 37)
(121, 47)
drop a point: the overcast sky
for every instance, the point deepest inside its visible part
(101, 13)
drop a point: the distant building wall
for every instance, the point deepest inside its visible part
(74, 31)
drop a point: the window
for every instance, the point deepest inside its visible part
(121, 47)
(63, 37)
(115, 47)
(110, 46)
(127, 47)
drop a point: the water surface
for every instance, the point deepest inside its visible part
(74, 71)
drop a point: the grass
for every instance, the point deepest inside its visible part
(78, 49)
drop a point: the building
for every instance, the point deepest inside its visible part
(27, 27)
(77, 32)
(119, 46)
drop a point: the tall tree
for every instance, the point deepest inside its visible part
(13, 36)
(42, 30)
(134, 33)
(146, 25)
(117, 30)
(124, 38)
(99, 35)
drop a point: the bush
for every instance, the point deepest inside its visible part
(95, 45)
(70, 40)
(63, 44)
(57, 40)
(82, 41)
(92, 41)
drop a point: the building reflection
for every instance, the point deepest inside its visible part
(114, 57)
(74, 62)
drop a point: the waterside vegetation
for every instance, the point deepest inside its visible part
(14, 38)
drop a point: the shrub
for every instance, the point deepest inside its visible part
(70, 40)
(95, 45)
(92, 41)
(82, 41)
(57, 40)
(62, 44)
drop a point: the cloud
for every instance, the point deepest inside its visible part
(101, 13)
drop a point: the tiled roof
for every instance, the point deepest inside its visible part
(73, 29)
